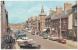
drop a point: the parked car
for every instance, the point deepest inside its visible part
(33, 33)
(27, 43)
(62, 40)
(33, 45)
(29, 31)
(53, 37)
(20, 34)
(45, 35)
(40, 34)
(23, 41)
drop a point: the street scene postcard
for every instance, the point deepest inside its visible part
(38, 24)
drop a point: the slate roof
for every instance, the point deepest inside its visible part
(63, 15)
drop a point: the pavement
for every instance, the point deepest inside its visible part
(71, 43)
(16, 46)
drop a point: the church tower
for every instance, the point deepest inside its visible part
(42, 19)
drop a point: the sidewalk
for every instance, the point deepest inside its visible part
(16, 46)
(72, 44)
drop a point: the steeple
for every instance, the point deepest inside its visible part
(42, 9)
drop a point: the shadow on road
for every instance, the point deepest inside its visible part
(27, 47)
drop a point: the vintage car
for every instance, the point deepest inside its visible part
(53, 37)
(27, 43)
(62, 40)
(44, 35)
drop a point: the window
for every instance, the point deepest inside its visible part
(75, 11)
(75, 22)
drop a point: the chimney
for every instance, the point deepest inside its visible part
(58, 10)
(67, 6)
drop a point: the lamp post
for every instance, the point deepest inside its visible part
(37, 25)
(53, 29)
(50, 29)
(60, 29)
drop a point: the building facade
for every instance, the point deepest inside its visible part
(59, 26)
(48, 21)
(72, 26)
(42, 20)
(4, 23)
(19, 26)
(4, 19)
(34, 25)
(74, 10)
(58, 21)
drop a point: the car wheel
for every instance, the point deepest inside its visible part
(29, 45)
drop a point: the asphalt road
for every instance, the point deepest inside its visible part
(45, 43)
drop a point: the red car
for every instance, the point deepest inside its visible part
(62, 40)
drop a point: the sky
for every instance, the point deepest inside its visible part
(20, 11)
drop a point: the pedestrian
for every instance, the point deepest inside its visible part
(9, 41)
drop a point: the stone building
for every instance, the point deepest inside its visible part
(58, 10)
(48, 20)
(4, 19)
(72, 26)
(59, 25)
(74, 10)
(59, 21)
(34, 25)
(29, 23)
(67, 6)
(4, 23)
(42, 16)
(19, 26)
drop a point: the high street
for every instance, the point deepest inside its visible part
(45, 43)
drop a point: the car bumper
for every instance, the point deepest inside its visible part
(62, 41)
(54, 39)
(22, 45)
(45, 37)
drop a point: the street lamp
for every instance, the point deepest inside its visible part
(60, 29)
(52, 29)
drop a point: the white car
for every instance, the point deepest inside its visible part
(29, 43)
(29, 31)
(23, 41)
(52, 37)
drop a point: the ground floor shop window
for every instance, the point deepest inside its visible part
(71, 36)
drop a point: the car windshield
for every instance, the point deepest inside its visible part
(45, 33)
(24, 38)
(20, 36)
(54, 36)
